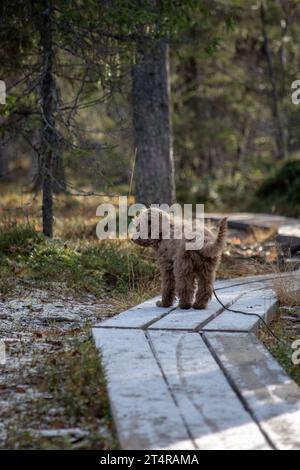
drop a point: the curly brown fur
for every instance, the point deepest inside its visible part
(184, 271)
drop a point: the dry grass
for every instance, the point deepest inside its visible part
(235, 267)
(75, 217)
(135, 296)
(287, 290)
(249, 253)
(259, 235)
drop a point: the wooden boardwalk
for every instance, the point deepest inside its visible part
(287, 228)
(190, 379)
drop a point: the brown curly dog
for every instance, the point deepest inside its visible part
(182, 270)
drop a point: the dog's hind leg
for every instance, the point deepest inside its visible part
(168, 288)
(205, 288)
(184, 281)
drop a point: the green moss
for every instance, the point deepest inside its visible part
(284, 357)
(87, 266)
(17, 239)
(283, 351)
(76, 380)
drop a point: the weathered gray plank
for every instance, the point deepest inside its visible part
(144, 412)
(191, 319)
(254, 299)
(244, 220)
(214, 414)
(138, 316)
(243, 281)
(288, 228)
(262, 303)
(258, 280)
(271, 395)
(147, 312)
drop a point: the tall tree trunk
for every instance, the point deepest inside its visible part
(3, 165)
(59, 185)
(152, 126)
(280, 134)
(36, 168)
(48, 134)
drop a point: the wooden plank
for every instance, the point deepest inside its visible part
(262, 303)
(137, 317)
(189, 319)
(243, 281)
(213, 413)
(144, 412)
(257, 279)
(147, 312)
(192, 319)
(272, 397)
(244, 220)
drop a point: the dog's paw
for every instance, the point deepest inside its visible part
(198, 306)
(160, 303)
(185, 306)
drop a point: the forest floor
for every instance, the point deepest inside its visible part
(52, 388)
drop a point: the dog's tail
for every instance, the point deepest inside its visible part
(221, 237)
(216, 247)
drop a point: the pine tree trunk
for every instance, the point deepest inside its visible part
(154, 169)
(36, 172)
(3, 165)
(59, 185)
(48, 134)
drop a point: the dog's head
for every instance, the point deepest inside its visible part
(151, 226)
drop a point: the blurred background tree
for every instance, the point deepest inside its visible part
(234, 120)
